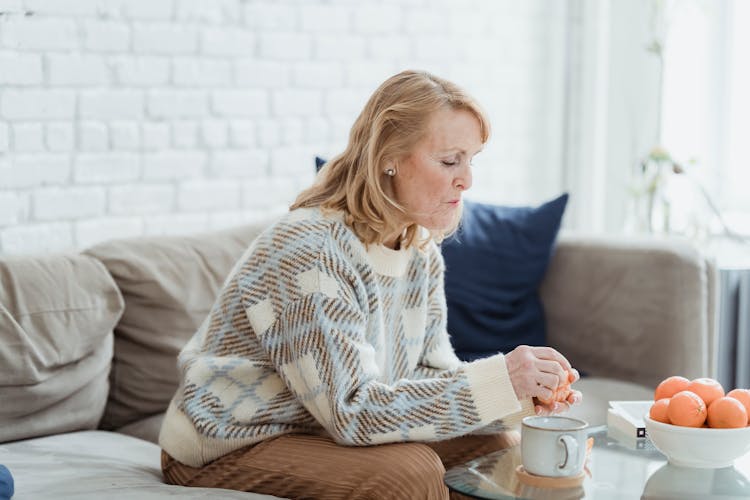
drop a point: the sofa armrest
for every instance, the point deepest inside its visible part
(636, 309)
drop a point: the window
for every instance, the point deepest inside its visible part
(706, 100)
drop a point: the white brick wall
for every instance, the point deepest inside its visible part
(20, 69)
(36, 104)
(128, 117)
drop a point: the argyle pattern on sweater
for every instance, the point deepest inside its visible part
(315, 332)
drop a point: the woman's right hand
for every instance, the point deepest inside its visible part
(535, 372)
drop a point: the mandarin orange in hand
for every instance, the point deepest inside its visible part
(658, 410)
(562, 391)
(687, 409)
(726, 413)
(707, 388)
(743, 396)
(670, 386)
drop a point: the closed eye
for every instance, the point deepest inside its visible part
(450, 163)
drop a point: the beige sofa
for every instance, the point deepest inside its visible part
(88, 344)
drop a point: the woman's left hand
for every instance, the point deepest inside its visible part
(555, 407)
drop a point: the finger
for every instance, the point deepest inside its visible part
(544, 352)
(547, 380)
(576, 375)
(575, 397)
(543, 392)
(552, 367)
(561, 407)
(541, 410)
(546, 409)
(553, 407)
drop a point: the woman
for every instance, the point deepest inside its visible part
(329, 336)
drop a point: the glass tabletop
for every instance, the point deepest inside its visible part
(618, 468)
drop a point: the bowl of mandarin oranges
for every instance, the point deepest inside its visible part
(695, 423)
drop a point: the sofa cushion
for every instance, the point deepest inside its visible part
(494, 265)
(56, 318)
(636, 308)
(169, 284)
(94, 465)
(146, 428)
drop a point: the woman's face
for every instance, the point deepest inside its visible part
(430, 181)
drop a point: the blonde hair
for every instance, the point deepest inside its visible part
(392, 122)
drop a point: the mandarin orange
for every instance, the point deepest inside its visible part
(670, 386)
(743, 396)
(726, 413)
(687, 409)
(659, 409)
(707, 388)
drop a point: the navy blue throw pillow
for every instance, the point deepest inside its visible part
(319, 162)
(6, 483)
(494, 265)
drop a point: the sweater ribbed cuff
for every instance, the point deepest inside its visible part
(491, 388)
(181, 440)
(514, 419)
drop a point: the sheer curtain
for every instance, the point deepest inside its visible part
(612, 103)
(706, 101)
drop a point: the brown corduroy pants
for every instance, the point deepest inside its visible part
(304, 466)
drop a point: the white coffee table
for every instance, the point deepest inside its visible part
(619, 470)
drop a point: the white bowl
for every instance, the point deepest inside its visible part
(698, 447)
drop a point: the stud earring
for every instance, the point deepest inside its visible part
(390, 172)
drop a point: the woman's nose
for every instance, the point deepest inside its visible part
(463, 181)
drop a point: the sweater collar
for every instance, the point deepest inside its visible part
(387, 261)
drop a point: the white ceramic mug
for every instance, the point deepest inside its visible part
(553, 446)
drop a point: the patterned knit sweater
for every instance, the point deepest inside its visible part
(315, 333)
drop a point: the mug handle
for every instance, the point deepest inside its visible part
(571, 450)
